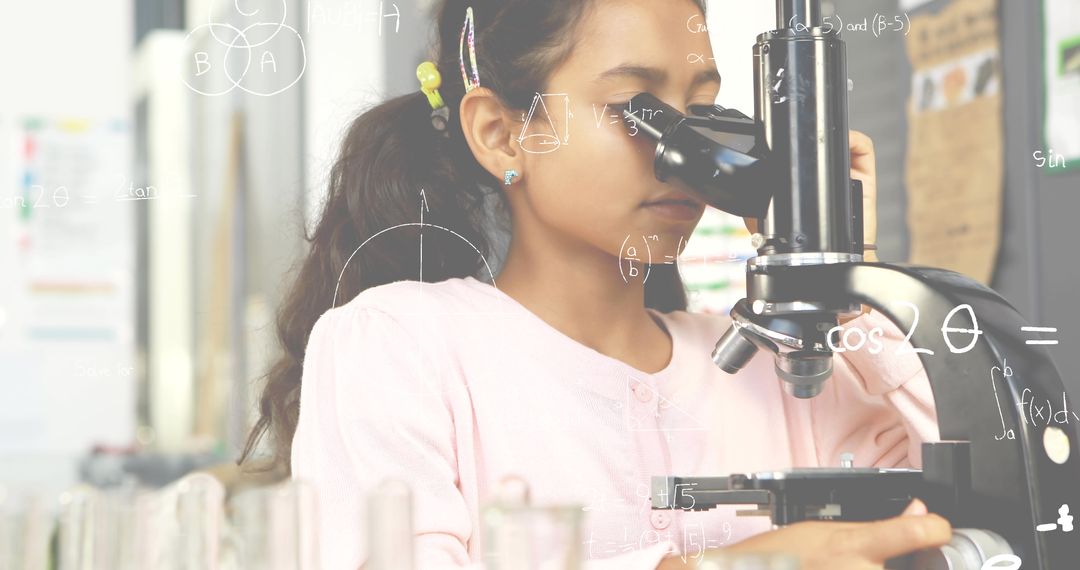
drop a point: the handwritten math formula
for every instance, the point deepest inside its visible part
(959, 337)
(636, 257)
(694, 542)
(846, 338)
(351, 14)
(541, 133)
(1038, 414)
(245, 57)
(38, 197)
(878, 24)
(1031, 411)
(1049, 159)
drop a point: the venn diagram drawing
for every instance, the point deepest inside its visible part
(261, 54)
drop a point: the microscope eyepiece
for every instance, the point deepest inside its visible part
(714, 150)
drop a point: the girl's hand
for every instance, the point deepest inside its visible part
(863, 168)
(845, 546)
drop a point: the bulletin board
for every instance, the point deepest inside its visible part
(66, 317)
(955, 162)
(900, 112)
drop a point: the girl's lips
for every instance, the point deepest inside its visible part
(681, 210)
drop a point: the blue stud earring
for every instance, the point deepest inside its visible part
(508, 178)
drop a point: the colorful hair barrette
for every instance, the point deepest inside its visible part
(470, 26)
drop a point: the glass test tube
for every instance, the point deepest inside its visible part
(519, 536)
(274, 527)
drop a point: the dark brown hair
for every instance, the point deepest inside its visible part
(389, 153)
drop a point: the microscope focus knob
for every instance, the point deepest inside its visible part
(969, 549)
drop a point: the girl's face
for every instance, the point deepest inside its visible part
(588, 176)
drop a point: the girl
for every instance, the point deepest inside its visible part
(404, 359)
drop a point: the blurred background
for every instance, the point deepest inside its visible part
(159, 160)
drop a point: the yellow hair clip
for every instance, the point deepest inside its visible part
(430, 81)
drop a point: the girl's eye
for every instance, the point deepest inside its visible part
(623, 101)
(691, 107)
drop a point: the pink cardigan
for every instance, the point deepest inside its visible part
(452, 386)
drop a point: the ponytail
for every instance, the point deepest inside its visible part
(390, 153)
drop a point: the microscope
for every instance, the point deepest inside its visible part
(1000, 479)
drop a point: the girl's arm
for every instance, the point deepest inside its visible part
(879, 404)
(370, 409)
(368, 413)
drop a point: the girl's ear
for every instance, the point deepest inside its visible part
(489, 130)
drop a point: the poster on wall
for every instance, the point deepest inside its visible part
(66, 316)
(1061, 61)
(955, 141)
